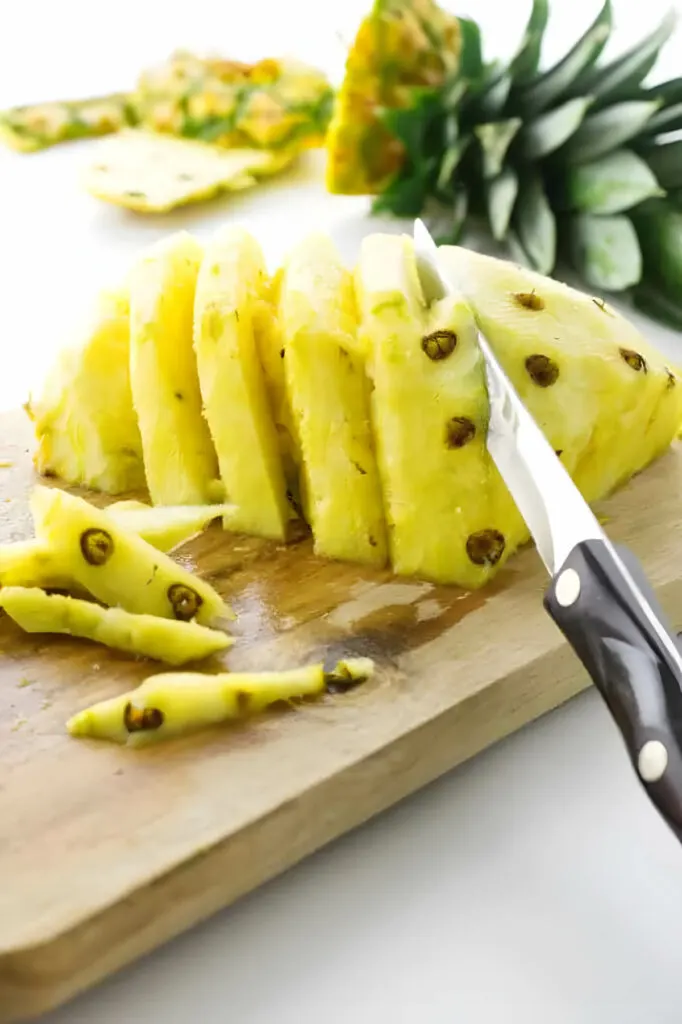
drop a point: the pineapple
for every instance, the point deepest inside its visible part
(450, 518)
(179, 459)
(27, 129)
(84, 420)
(143, 635)
(329, 395)
(116, 566)
(233, 281)
(28, 563)
(174, 703)
(603, 396)
(558, 160)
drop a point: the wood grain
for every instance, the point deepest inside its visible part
(105, 853)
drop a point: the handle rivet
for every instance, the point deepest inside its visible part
(652, 761)
(567, 588)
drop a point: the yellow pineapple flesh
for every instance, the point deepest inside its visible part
(329, 395)
(179, 459)
(85, 425)
(232, 281)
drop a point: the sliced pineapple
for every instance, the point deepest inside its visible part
(29, 128)
(144, 635)
(84, 420)
(233, 280)
(329, 395)
(603, 396)
(450, 518)
(174, 703)
(116, 566)
(179, 459)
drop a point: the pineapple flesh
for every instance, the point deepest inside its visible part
(179, 459)
(329, 395)
(232, 281)
(84, 421)
(142, 635)
(116, 566)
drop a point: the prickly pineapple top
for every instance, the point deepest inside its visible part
(400, 45)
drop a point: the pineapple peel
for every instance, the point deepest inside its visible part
(143, 635)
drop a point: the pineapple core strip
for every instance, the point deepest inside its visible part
(173, 703)
(329, 395)
(179, 460)
(145, 635)
(116, 566)
(232, 284)
(84, 421)
(450, 520)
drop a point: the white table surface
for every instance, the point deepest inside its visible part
(533, 884)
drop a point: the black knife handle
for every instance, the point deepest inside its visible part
(638, 676)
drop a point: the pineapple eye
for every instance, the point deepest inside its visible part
(142, 720)
(97, 546)
(459, 431)
(529, 300)
(634, 359)
(672, 379)
(543, 370)
(439, 344)
(485, 547)
(600, 304)
(185, 601)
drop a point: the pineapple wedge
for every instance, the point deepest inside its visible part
(179, 459)
(116, 566)
(450, 518)
(604, 397)
(143, 635)
(329, 395)
(232, 281)
(174, 703)
(84, 420)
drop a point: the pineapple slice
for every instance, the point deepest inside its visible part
(179, 460)
(144, 635)
(232, 280)
(174, 703)
(450, 518)
(116, 566)
(29, 563)
(27, 129)
(603, 396)
(329, 394)
(84, 420)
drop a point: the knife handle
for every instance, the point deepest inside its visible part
(637, 672)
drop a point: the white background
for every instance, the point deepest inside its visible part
(532, 885)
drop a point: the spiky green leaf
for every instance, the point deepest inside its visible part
(495, 139)
(535, 224)
(666, 120)
(516, 251)
(527, 59)
(549, 131)
(492, 99)
(555, 83)
(404, 197)
(617, 79)
(605, 251)
(666, 92)
(471, 57)
(451, 160)
(665, 161)
(501, 195)
(659, 228)
(607, 129)
(651, 301)
(611, 184)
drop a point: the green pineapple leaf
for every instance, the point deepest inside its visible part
(659, 229)
(471, 65)
(648, 299)
(666, 162)
(525, 63)
(666, 92)
(550, 86)
(451, 160)
(535, 224)
(501, 195)
(549, 131)
(667, 120)
(611, 184)
(490, 102)
(517, 252)
(608, 129)
(605, 250)
(495, 138)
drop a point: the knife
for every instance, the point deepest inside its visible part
(599, 596)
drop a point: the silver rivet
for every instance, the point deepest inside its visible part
(567, 588)
(652, 761)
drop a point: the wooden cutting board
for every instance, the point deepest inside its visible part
(105, 853)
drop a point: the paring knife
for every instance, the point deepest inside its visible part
(599, 596)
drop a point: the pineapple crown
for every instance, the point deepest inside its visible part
(579, 161)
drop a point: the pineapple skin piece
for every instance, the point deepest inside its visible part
(450, 518)
(84, 421)
(179, 459)
(232, 281)
(603, 396)
(329, 396)
(147, 636)
(118, 567)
